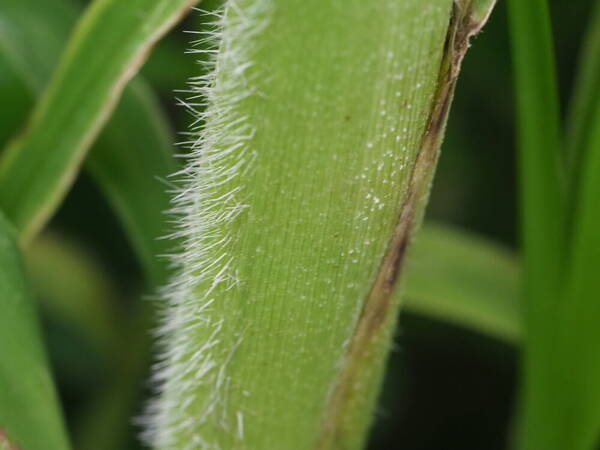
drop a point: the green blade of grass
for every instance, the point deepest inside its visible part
(108, 46)
(134, 151)
(579, 333)
(29, 414)
(541, 181)
(464, 280)
(576, 361)
(575, 419)
(542, 210)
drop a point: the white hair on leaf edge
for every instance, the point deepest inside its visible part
(219, 140)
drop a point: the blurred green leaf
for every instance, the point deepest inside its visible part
(576, 368)
(134, 151)
(106, 422)
(13, 92)
(29, 414)
(577, 344)
(32, 36)
(581, 117)
(541, 182)
(30, 31)
(73, 287)
(465, 280)
(542, 209)
(110, 43)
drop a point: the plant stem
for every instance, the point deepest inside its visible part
(320, 140)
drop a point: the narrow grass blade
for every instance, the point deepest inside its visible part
(542, 212)
(132, 154)
(464, 280)
(108, 46)
(320, 140)
(541, 181)
(577, 349)
(29, 414)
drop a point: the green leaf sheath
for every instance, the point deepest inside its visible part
(29, 414)
(320, 139)
(132, 154)
(464, 280)
(108, 46)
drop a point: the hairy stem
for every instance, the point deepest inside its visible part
(311, 171)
